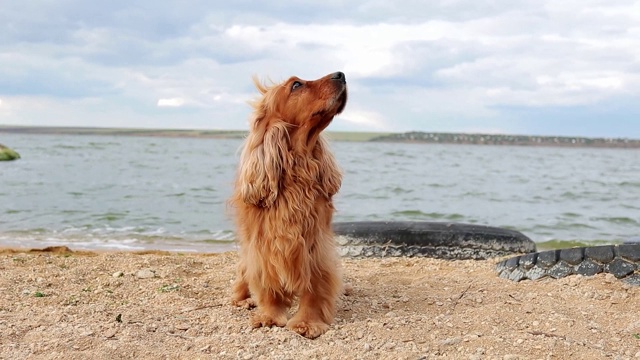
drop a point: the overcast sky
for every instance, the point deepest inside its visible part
(569, 67)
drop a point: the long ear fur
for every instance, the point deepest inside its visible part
(330, 174)
(262, 161)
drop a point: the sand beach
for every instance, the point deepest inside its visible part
(156, 305)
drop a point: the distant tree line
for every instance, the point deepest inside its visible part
(498, 139)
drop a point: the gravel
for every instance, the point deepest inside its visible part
(175, 306)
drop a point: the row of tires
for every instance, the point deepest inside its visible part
(457, 241)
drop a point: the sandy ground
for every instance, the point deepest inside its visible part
(175, 306)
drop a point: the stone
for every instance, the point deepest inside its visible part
(145, 274)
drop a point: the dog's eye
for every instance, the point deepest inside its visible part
(295, 85)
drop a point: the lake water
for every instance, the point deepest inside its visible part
(133, 193)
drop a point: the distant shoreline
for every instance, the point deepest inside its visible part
(408, 137)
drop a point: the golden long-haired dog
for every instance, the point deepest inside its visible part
(283, 206)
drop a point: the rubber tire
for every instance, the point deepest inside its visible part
(444, 240)
(623, 261)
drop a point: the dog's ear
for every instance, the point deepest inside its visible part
(262, 162)
(330, 176)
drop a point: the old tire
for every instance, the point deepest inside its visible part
(623, 261)
(429, 239)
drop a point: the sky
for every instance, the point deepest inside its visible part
(569, 67)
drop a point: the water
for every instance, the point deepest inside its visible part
(133, 193)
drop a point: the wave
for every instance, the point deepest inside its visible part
(619, 220)
(631, 184)
(126, 239)
(417, 214)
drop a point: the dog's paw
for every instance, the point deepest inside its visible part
(247, 303)
(309, 330)
(260, 319)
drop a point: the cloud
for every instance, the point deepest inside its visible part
(438, 65)
(363, 119)
(172, 102)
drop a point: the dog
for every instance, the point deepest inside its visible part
(283, 206)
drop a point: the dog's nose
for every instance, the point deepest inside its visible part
(339, 76)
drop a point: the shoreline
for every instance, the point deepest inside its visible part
(226, 246)
(165, 305)
(412, 137)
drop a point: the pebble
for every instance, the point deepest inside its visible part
(118, 274)
(110, 333)
(145, 274)
(348, 289)
(451, 341)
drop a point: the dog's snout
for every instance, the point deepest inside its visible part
(339, 76)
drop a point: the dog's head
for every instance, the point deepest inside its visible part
(308, 106)
(288, 118)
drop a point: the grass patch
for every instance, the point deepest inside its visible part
(353, 136)
(169, 288)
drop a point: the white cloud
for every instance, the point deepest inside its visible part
(363, 119)
(363, 50)
(438, 65)
(171, 102)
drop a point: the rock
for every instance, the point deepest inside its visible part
(118, 274)
(145, 274)
(7, 154)
(109, 333)
(451, 341)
